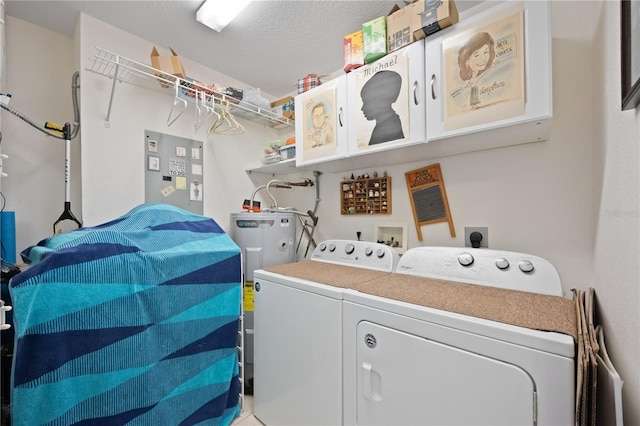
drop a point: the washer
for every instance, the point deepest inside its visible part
(409, 364)
(298, 330)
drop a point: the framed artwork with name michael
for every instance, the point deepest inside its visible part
(382, 97)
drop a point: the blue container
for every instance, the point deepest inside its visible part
(8, 236)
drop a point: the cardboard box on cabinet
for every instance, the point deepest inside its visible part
(169, 64)
(400, 28)
(429, 17)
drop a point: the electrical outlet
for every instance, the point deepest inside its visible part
(468, 230)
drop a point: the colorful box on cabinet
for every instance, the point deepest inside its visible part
(353, 46)
(429, 17)
(375, 39)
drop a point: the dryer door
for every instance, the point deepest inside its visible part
(404, 379)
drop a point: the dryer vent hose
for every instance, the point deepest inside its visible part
(76, 112)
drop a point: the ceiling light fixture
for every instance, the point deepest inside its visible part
(216, 14)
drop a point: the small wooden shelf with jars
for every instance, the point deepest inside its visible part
(366, 196)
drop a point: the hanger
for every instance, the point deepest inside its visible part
(177, 99)
(227, 123)
(235, 127)
(219, 120)
(202, 110)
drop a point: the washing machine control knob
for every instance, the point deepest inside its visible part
(368, 251)
(465, 259)
(380, 253)
(349, 248)
(526, 266)
(332, 247)
(502, 263)
(323, 247)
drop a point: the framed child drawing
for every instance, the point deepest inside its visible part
(483, 70)
(319, 138)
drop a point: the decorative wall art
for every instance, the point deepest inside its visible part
(630, 53)
(366, 196)
(483, 68)
(382, 96)
(428, 198)
(319, 121)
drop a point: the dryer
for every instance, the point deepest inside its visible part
(298, 330)
(405, 363)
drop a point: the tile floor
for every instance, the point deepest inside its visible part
(246, 418)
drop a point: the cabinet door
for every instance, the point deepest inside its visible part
(321, 129)
(495, 88)
(386, 102)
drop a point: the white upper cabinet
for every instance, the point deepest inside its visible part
(387, 102)
(482, 83)
(321, 126)
(489, 79)
(369, 113)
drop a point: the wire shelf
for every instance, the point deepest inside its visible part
(123, 70)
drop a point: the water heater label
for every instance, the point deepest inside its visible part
(254, 223)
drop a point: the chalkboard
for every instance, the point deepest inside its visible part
(428, 198)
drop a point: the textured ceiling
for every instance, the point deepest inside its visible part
(269, 46)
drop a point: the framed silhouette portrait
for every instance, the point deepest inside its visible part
(382, 97)
(483, 70)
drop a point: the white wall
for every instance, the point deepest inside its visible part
(113, 158)
(534, 198)
(572, 199)
(616, 195)
(39, 68)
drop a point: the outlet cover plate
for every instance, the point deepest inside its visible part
(484, 230)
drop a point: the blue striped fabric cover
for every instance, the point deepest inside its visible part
(130, 322)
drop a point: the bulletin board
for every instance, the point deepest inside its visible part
(173, 171)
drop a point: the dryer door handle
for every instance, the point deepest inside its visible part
(366, 380)
(371, 383)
